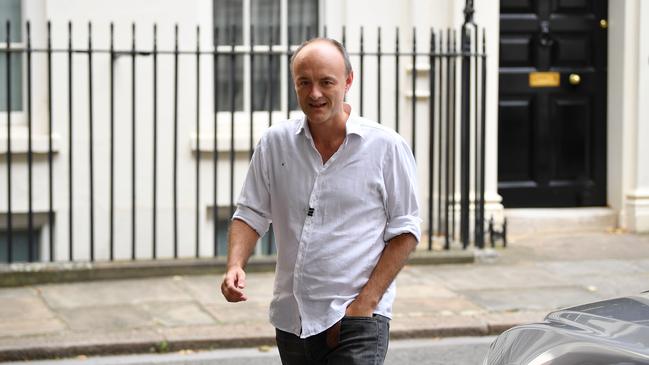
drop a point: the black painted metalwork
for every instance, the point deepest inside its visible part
(361, 55)
(50, 170)
(175, 143)
(70, 150)
(445, 137)
(378, 75)
(215, 145)
(198, 141)
(30, 151)
(431, 136)
(133, 150)
(413, 100)
(91, 146)
(111, 223)
(154, 213)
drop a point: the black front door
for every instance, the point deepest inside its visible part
(552, 103)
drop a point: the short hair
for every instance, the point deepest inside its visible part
(335, 43)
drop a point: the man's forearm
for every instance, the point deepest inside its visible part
(241, 243)
(392, 259)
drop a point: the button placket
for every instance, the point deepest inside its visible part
(303, 246)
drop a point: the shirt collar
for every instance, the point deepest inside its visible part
(352, 126)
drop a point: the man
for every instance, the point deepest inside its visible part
(341, 194)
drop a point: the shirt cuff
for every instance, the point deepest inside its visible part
(403, 224)
(255, 220)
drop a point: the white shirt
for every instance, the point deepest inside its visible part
(331, 221)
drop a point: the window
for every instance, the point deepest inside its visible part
(19, 246)
(233, 22)
(10, 11)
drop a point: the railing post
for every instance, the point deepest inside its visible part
(465, 154)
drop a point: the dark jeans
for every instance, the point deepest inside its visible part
(353, 341)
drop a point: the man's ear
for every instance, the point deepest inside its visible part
(348, 81)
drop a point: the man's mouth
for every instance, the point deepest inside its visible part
(317, 104)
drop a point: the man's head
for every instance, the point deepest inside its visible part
(322, 75)
(335, 43)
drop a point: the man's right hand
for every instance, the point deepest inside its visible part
(233, 283)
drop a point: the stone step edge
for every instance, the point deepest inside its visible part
(22, 274)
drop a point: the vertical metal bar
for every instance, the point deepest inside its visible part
(133, 146)
(111, 225)
(215, 154)
(414, 92)
(9, 152)
(476, 128)
(232, 110)
(270, 110)
(270, 76)
(483, 136)
(198, 138)
(378, 75)
(453, 131)
(91, 147)
(465, 135)
(362, 61)
(30, 155)
(324, 31)
(70, 145)
(154, 226)
(447, 183)
(431, 136)
(50, 172)
(396, 82)
(252, 89)
(439, 135)
(289, 54)
(175, 143)
(344, 36)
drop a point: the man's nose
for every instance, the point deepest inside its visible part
(315, 92)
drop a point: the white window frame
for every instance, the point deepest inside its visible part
(18, 117)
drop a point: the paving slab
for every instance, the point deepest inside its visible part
(106, 318)
(177, 314)
(113, 292)
(530, 298)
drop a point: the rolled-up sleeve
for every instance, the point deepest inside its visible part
(253, 206)
(402, 204)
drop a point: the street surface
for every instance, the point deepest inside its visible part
(457, 351)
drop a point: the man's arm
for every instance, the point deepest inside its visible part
(241, 243)
(392, 259)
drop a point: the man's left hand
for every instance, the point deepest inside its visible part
(358, 308)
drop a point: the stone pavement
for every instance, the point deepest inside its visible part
(502, 288)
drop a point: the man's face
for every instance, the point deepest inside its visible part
(320, 81)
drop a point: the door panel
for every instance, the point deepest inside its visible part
(552, 139)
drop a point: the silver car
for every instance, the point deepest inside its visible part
(614, 331)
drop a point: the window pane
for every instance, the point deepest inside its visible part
(265, 19)
(19, 246)
(266, 83)
(302, 20)
(16, 88)
(10, 10)
(228, 18)
(224, 70)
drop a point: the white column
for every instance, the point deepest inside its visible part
(488, 16)
(637, 196)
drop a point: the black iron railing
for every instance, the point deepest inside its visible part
(455, 80)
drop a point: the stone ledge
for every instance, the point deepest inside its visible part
(21, 274)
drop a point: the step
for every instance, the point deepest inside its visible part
(525, 221)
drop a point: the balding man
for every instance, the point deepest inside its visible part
(340, 191)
